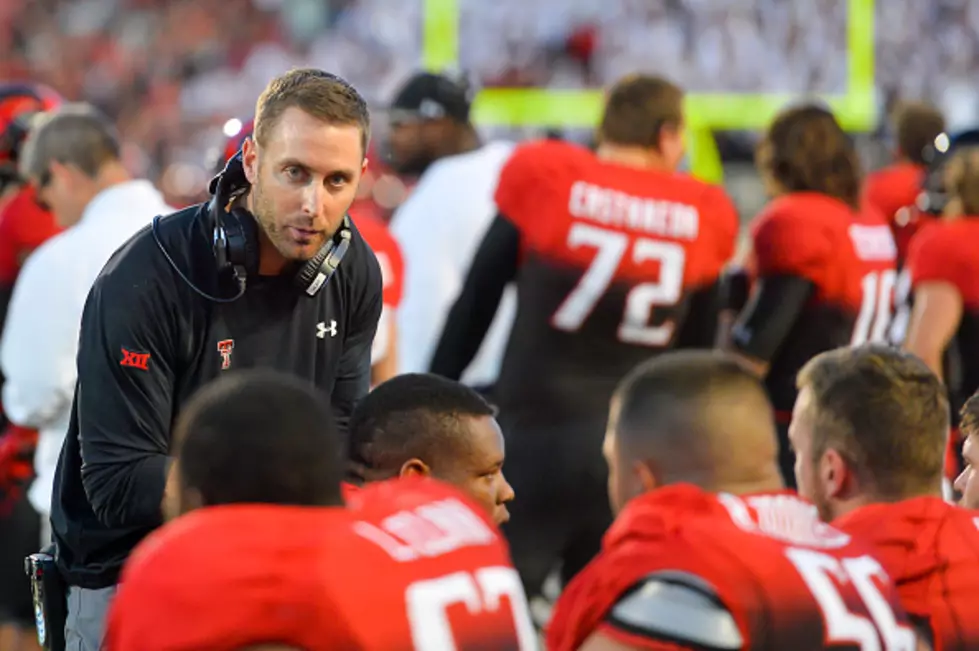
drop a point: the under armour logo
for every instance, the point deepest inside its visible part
(321, 329)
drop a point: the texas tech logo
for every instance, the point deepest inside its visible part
(225, 346)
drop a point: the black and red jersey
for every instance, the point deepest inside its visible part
(611, 260)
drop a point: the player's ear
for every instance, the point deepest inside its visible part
(415, 468)
(835, 474)
(645, 479)
(190, 499)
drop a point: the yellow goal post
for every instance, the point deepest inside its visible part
(532, 107)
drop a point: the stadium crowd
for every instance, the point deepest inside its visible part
(170, 74)
(564, 399)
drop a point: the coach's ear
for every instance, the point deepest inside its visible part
(415, 468)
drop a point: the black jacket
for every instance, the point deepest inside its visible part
(148, 342)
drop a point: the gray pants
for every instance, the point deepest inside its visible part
(87, 611)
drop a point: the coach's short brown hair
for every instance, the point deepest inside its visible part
(637, 110)
(806, 150)
(884, 411)
(322, 95)
(916, 124)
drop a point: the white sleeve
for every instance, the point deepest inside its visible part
(40, 342)
(431, 279)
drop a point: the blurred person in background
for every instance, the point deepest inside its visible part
(869, 429)
(943, 274)
(269, 273)
(821, 267)
(72, 160)
(446, 215)
(708, 551)
(384, 350)
(967, 483)
(422, 425)
(24, 226)
(616, 258)
(894, 190)
(381, 572)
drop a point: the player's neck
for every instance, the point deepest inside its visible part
(747, 486)
(629, 156)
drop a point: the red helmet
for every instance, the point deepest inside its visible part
(234, 142)
(18, 103)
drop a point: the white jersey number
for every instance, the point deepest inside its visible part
(875, 308)
(611, 247)
(823, 573)
(481, 591)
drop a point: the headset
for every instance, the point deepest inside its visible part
(933, 195)
(235, 236)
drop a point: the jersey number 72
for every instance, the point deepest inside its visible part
(610, 247)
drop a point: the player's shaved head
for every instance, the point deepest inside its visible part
(691, 416)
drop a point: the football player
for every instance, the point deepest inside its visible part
(420, 425)
(869, 429)
(967, 483)
(616, 257)
(384, 352)
(943, 271)
(894, 189)
(823, 269)
(708, 551)
(266, 551)
(24, 225)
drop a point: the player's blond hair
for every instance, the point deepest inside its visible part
(884, 411)
(962, 182)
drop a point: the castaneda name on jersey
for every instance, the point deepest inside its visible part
(619, 210)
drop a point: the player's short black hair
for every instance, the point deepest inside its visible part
(671, 403)
(413, 416)
(260, 436)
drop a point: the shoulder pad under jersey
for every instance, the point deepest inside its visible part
(679, 607)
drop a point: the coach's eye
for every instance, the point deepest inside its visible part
(337, 180)
(295, 173)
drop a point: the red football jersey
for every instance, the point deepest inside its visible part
(24, 226)
(788, 580)
(611, 257)
(931, 550)
(894, 191)
(877, 254)
(945, 251)
(817, 237)
(409, 564)
(388, 254)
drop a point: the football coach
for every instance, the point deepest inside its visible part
(270, 273)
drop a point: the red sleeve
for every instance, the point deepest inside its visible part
(388, 254)
(519, 180)
(527, 180)
(933, 256)
(787, 241)
(23, 228)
